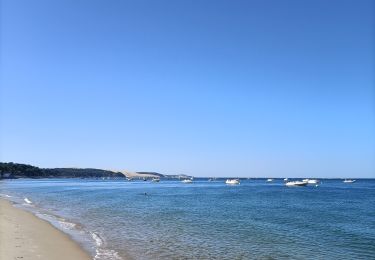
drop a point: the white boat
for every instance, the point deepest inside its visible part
(314, 181)
(269, 180)
(349, 181)
(295, 183)
(286, 179)
(155, 179)
(232, 181)
(311, 181)
(187, 181)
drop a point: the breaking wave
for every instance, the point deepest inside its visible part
(27, 201)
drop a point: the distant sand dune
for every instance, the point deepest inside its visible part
(130, 174)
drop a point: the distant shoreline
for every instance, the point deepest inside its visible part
(16, 170)
(10, 170)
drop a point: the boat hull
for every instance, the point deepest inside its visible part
(232, 182)
(296, 184)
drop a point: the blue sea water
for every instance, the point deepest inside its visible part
(116, 219)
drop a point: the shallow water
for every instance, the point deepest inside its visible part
(115, 219)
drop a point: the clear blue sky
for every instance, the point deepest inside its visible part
(224, 88)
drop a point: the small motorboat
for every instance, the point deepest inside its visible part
(270, 180)
(232, 181)
(187, 181)
(311, 181)
(295, 183)
(349, 181)
(155, 180)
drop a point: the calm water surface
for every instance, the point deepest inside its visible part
(115, 219)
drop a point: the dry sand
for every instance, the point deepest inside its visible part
(24, 236)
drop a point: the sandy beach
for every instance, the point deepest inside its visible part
(24, 236)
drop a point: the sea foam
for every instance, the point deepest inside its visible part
(27, 201)
(101, 253)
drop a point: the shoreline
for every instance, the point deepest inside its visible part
(25, 236)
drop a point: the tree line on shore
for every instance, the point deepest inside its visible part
(18, 170)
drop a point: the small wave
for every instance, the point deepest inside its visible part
(27, 201)
(67, 225)
(98, 240)
(101, 253)
(106, 254)
(5, 195)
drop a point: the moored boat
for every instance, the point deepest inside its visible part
(311, 181)
(295, 183)
(187, 181)
(232, 181)
(155, 179)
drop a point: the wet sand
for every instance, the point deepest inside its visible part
(24, 236)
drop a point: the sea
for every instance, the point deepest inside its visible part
(119, 219)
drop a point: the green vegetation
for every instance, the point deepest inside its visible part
(16, 170)
(9, 170)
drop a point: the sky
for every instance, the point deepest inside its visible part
(262, 88)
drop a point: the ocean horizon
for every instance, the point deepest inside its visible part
(116, 219)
